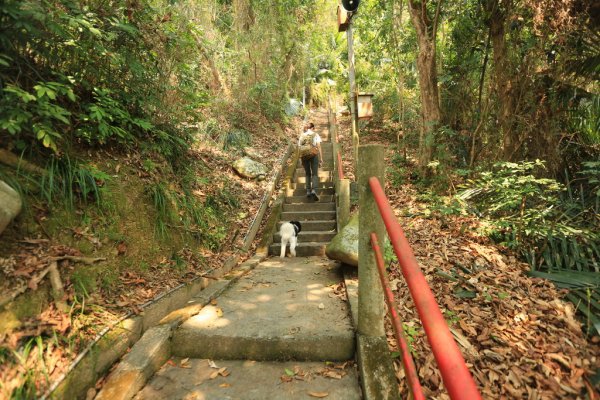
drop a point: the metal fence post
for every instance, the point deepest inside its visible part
(370, 293)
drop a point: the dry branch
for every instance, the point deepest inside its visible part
(85, 260)
(58, 290)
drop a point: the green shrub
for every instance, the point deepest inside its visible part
(537, 216)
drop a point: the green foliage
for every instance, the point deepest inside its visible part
(536, 216)
(181, 209)
(389, 255)
(94, 77)
(39, 113)
(399, 174)
(85, 282)
(162, 206)
(27, 389)
(585, 119)
(68, 181)
(65, 182)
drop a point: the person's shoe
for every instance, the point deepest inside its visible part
(308, 193)
(314, 195)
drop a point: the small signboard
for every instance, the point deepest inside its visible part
(365, 105)
(343, 19)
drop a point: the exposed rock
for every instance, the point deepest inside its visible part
(249, 168)
(10, 205)
(344, 246)
(251, 153)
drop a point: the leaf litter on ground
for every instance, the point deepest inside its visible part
(520, 339)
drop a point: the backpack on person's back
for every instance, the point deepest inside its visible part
(307, 148)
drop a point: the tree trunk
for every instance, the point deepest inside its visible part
(243, 15)
(397, 27)
(428, 85)
(504, 80)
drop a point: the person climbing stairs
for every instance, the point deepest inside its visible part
(318, 218)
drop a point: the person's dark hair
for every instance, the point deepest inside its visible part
(311, 125)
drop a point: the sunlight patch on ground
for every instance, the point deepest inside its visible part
(210, 315)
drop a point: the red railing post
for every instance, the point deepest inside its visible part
(407, 361)
(455, 374)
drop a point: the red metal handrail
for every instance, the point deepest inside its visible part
(407, 361)
(455, 374)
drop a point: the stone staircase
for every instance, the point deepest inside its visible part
(318, 218)
(276, 330)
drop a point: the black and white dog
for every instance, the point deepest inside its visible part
(289, 234)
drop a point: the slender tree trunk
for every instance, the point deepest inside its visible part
(504, 80)
(428, 84)
(397, 27)
(483, 69)
(217, 84)
(243, 15)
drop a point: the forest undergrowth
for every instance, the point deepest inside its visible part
(150, 231)
(519, 335)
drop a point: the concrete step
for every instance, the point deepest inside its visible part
(307, 215)
(314, 206)
(323, 185)
(309, 236)
(301, 191)
(303, 249)
(313, 226)
(251, 380)
(284, 309)
(303, 199)
(322, 172)
(302, 179)
(327, 166)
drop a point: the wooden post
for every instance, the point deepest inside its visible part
(370, 293)
(353, 94)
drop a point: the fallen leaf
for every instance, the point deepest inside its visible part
(185, 363)
(214, 375)
(224, 385)
(319, 395)
(321, 306)
(121, 249)
(212, 364)
(332, 374)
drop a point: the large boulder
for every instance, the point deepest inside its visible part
(10, 205)
(344, 246)
(248, 168)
